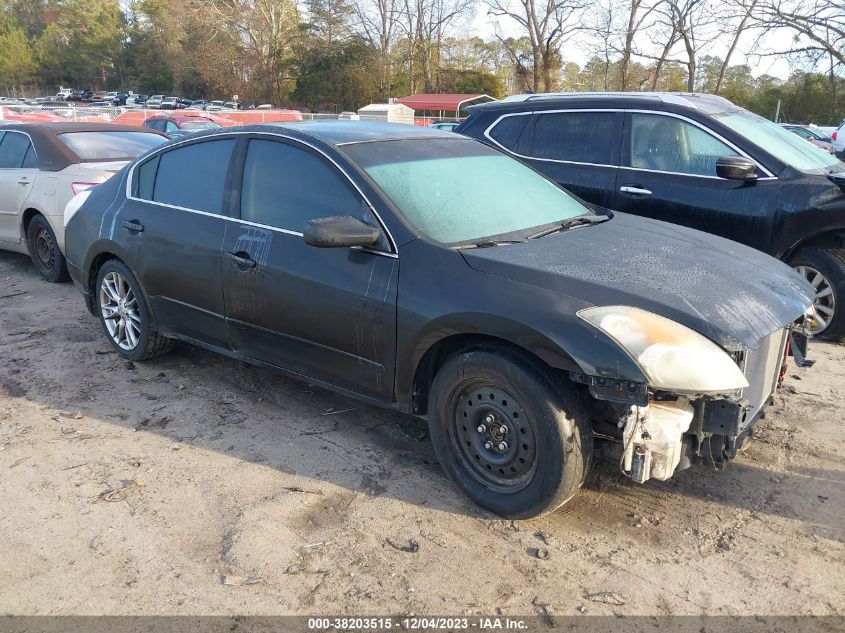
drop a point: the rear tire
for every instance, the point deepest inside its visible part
(536, 444)
(44, 250)
(124, 314)
(824, 268)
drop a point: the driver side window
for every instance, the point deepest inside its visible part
(285, 186)
(663, 143)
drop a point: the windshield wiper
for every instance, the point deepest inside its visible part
(568, 224)
(490, 243)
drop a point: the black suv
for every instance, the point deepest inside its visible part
(696, 160)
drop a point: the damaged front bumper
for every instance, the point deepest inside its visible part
(663, 433)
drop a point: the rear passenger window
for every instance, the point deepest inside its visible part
(285, 186)
(580, 137)
(508, 130)
(29, 159)
(194, 176)
(13, 149)
(145, 180)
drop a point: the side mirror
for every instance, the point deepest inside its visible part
(338, 231)
(736, 168)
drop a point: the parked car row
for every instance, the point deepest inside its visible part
(524, 320)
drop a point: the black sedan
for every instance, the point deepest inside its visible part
(433, 274)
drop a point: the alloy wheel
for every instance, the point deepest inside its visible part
(119, 308)
(824, 301)
(494, 437)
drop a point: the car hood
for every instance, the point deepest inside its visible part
(728, 292)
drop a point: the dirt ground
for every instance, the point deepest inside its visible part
(195, 484)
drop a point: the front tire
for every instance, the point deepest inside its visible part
(824, 269)
(124, 314)
(44, 250)
(516, 444)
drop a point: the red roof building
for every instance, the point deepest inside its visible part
(441, 103)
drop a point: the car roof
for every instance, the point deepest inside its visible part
(707, 103)
(181, 118)
(53, 155)
(342, 132)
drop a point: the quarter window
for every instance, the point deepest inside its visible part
(285, 186)
(663, 143)
(193, 176)
(508, 130)
(581, 137)
(13, 149)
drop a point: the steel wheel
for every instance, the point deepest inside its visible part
(494, 437)
(44, 248)
(120, 312)
(824, 301)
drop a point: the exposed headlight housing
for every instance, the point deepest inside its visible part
(672, 356)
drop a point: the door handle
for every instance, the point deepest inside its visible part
(242, 259)
(133, 225)
(24, 181)
(635, 190)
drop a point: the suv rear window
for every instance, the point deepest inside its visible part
(579, 137)
(90, 146)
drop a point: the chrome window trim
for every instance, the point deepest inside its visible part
(131, 177)
(34, 151)
(716, 135)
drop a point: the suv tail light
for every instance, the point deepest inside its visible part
(834, 135)
(82, 186)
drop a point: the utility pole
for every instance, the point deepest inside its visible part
(777, 113)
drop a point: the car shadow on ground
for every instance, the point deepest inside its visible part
(62, 359)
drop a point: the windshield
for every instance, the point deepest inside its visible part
(459, 191)
(780, 142)
(110, 145)
(200, 125)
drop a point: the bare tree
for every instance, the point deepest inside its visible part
(745, 22)
(547, 24)
(378, 21)
(427, 23)
(818, 25)
(261, 32)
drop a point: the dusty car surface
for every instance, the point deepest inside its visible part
(42, 166)
(430, 273)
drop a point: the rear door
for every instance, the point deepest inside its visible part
(668, 173)
(325, 313)
(177, 218)
(18, 170)
(578, 149)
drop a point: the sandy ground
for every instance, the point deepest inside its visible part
(195, 484)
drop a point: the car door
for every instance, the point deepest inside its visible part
(668, 172)
(325, 313)
(578, 149)
(18, 170)
(176, 216)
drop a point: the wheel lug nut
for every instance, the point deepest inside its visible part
(503, 446)
(481, 428)
(490, 418)
(488, 445)
(503, 429)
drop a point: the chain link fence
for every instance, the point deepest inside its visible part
(123, 115)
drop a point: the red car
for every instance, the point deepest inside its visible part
(178, 125)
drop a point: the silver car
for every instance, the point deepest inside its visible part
(42, 166)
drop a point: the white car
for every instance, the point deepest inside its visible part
(838, 141)
(42, 166)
